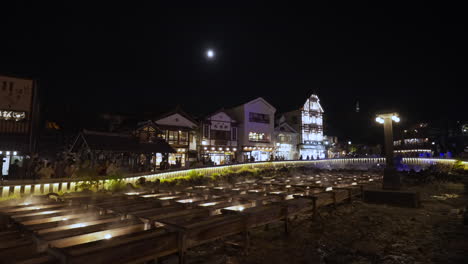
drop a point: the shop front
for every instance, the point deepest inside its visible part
(257, 153)
(285, 151)
(219, 155)
(180, 155)
(310, 152)
(8, 158)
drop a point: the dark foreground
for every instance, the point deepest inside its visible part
(361, 233)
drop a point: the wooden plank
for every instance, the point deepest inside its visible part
(43, 214)
(137, 248)
(213, 228)
(100, 235)
(43, 258)
(83, 230)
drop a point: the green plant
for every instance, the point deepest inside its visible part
(195, 177)
(10, 197)
(459, 166)
(226, 171)
(90, 183)
(115, 182)
(215, 177)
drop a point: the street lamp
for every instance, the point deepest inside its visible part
(391, 179)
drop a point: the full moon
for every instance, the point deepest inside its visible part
(210, 54)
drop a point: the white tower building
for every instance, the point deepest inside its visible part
(312, 129)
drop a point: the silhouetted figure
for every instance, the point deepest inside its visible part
(13, 171)
(1, 166)
(46, 172)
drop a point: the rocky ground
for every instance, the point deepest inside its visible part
(361, 233)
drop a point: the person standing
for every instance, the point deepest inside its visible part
(111, 169)
(1, 166)
(60, 169)
(13, 171)
(46, 172)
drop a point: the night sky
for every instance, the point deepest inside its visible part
(148, 58)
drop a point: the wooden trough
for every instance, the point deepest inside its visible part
(136, 227)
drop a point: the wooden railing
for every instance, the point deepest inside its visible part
(16, 188)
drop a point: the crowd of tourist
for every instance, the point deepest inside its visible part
(37, 168)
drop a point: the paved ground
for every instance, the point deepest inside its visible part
(362, 233)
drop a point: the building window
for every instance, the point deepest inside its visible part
(172, 137)
(163, 134)
(283, 138)
(147, 134)
(183, 137)
(206, 131)
(234, 133)
(258, 137)
(220, 135)
(259, 118)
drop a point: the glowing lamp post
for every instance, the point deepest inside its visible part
(391, 179)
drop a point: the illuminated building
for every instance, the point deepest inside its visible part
(285, 141)
(256, 126)
(309, 121)
(218, 138)
(415, 141)
(18, 120)
(180, 131)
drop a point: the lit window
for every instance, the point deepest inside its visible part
(253, 136)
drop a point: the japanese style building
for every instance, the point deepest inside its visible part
(129, 152)
(256, 127)
(286, 140)
(180, 131)
(18, 120)
(308, 121)
(218, 138)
